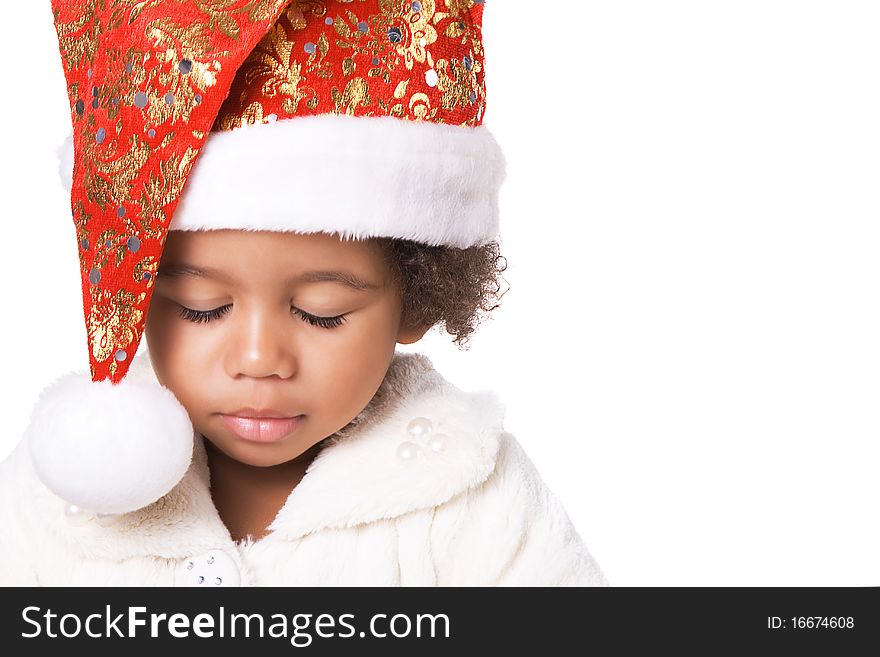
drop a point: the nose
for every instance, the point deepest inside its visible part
(262, 344)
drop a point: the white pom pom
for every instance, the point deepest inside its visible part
(65, 162)
(109, 448)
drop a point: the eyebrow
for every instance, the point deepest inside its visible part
(346, 278)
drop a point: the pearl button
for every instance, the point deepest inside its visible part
(212, 568)
(437, 443)
(420, 426)
(408, 451)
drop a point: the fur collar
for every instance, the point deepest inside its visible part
(357, 477)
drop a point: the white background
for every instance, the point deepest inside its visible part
(689, 347)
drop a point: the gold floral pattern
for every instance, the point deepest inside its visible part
(420, 61)
(113, 321)
(272, 66)
(219, 14)
(109, 176)
(417, 33)
(163, 189)
(173, 96)
(78, 38)
(145, 271)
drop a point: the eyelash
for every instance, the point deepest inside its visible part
(205, 316)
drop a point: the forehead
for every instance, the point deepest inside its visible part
(268, 253)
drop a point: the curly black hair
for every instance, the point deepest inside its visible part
(445, 285)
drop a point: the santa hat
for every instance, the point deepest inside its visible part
(362, 118)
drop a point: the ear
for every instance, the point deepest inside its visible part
(411, 334)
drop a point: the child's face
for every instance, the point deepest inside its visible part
(258, 348)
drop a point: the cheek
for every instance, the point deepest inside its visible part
(178, 356)
(352, 368)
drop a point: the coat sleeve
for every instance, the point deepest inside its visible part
(16, 567)
(511, 530)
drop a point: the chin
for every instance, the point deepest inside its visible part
(269, 454)
(257, 455)
(261, 463)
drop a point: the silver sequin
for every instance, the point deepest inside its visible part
(120, 211)
(140, 100)
(134, 244)
(95, 276)
(99, 136)
(169, 98)
(363, 27)
(151, 133)
(120, 354)
(310, 47)
(185, 66)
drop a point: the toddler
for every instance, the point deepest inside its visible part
(275, 194)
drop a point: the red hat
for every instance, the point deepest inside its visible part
(362, 118)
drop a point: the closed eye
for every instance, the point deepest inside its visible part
(323, 322)
(205, 316)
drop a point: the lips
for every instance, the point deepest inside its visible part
(262, 429)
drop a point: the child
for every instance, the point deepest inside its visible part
(276, 196)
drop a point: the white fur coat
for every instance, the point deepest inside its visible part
(474, 513)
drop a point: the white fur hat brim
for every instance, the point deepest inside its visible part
(358, 176)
